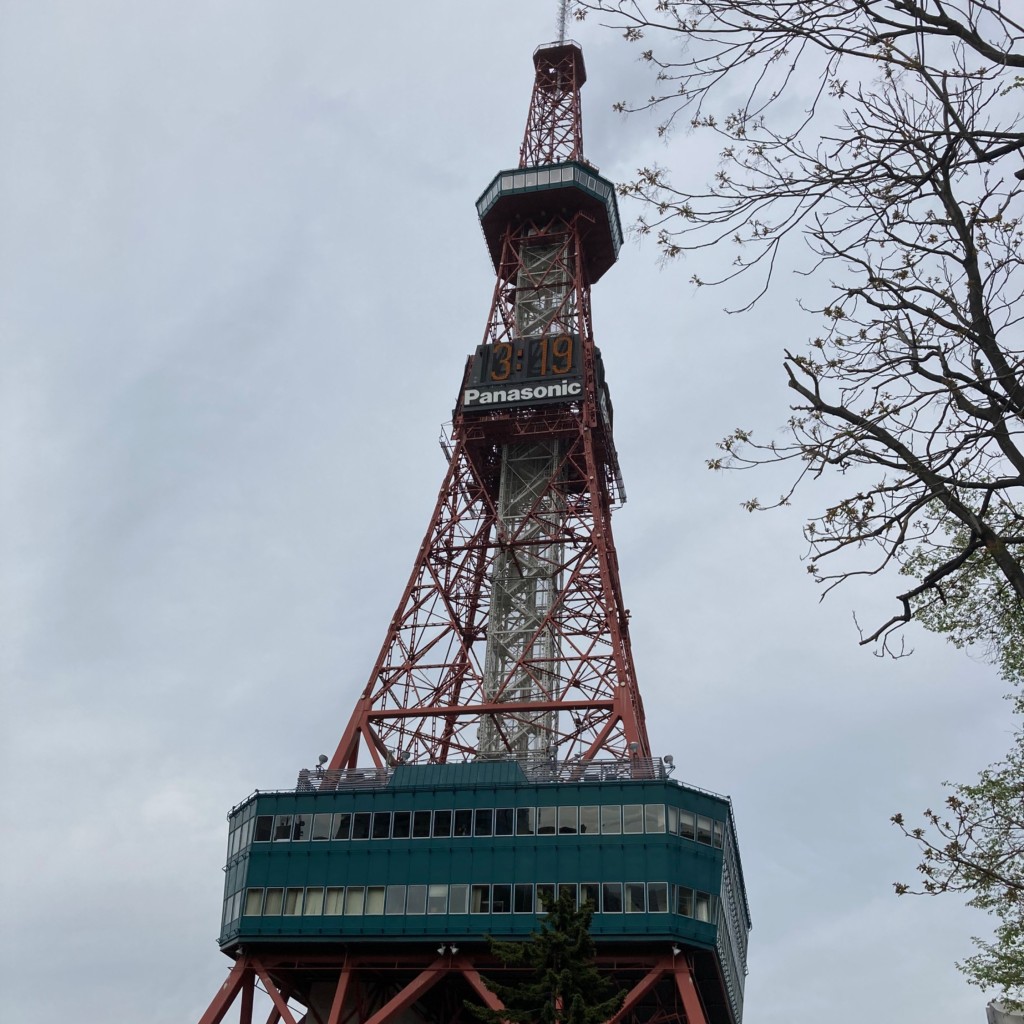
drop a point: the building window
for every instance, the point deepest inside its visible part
(374, 899)
(292, 902)
(590, 892)
(673, 820)
(416, 900)
(361, 825)
(657, 897)
(421, 824)
(504, 821)
(458, 899)
(253, 902)
(611, 898)
(395, 901)
(342, 825)
(355, 901)
(314, 901)
(525, 821)
(568, 821)
(484, 824)
(611, 819)
(480, 899)
(590, 819)
(654, 817)
(703, 829)
(632, 818)
(547, 821)
(687, 829)
(719, 835)
(463, 822)
(684, 901)
(545, 896)
(264, 828)
(437, 899)
(401, 825)
(501, 899)
(569, 887)
(382, 825)
(273, 902)
(334, 900)
(321, 826)
(702, 906)
(300, 828)
(522, 898)
(283, 828)
(635, 901)
(442, 824)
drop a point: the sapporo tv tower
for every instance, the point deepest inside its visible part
(499, 753)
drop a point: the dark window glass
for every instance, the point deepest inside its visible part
(342, 825)
(321, 826)
(421, 825)
(504, 821)
(525, 821)
(590, 819)
(382, 825)
(282, 828)
(635, 902)
(611, 898)
(545, 896)
(590, 892)
(401, 825)
(463, 822)
(569, 887)
(703, 829)
(484, 825)
(264, 828)
(657, 897)
(684, 901)
(501, 899)
(300, 827)
(547, 820)
(687, 829)
(523, 898)
(719, 834)
(361, 825)
(479, 899)
(442, 824)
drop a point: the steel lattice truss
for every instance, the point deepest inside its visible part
(554, 126)
(511, 636)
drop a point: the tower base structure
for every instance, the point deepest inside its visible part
(367, 896)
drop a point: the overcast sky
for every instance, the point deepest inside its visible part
(240, 272)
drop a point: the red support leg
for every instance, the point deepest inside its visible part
(423, 982)
(222, 1001)
(280, 1006)
(339, 994)
(688, 992)
(641, 988)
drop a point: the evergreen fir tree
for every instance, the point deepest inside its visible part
(560, 983)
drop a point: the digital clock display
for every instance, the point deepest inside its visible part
(525, 371)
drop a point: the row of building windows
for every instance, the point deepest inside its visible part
(590, 819)
(514, 898)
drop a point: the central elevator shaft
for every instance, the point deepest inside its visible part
(523, 655)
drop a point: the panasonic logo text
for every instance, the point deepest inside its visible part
(476, 397)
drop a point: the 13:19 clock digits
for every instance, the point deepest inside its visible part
(524, 359)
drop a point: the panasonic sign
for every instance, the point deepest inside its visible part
(502, 396)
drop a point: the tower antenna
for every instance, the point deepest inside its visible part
(563, 13)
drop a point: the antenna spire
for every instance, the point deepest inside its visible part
(563, 13)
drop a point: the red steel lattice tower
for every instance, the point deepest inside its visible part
(498, 753)
(511, 636)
